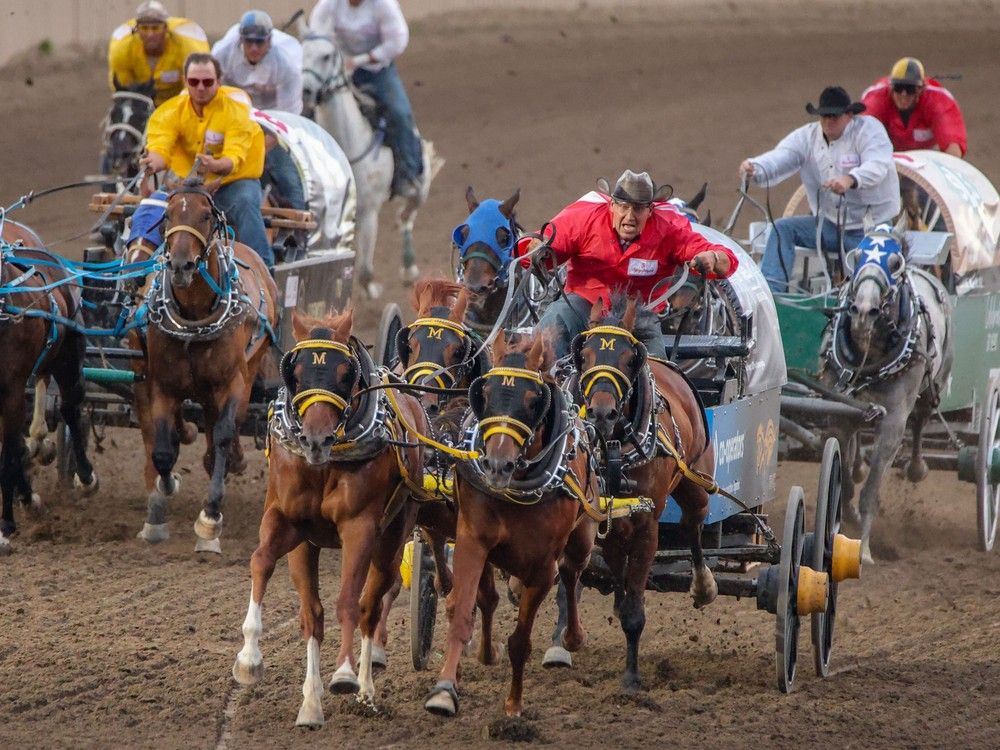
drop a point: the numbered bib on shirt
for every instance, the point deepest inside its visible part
(170, 76)
(920, 134)
(848, 162)
(641, 267)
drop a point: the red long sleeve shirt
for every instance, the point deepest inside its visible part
(935, 120)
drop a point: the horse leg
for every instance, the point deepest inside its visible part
(557, 655)
(916, 467)
(277, 538)
(11, 463)
(155, 528)
(68, 375)
(487, 599)
(365, 232)
(519, 643)
(469, 566)
(223, 432)
(574, 561)
(693, 501)
(38, 446)
(408, 271)
(303, 565)
(888, 437)
(632, 613)
(357, 537)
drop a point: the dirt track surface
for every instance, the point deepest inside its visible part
(106, 642)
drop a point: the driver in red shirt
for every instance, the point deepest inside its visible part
(628, 239)
(918, 112)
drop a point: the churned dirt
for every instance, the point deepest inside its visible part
(106, 642)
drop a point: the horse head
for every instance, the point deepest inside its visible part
(437, 349)
(322, 70)
(125, 125)
(321, 375)
(511, 402)
(485, 242)
(192, 219)
(690, 207)
(876, 266)
(609, 359)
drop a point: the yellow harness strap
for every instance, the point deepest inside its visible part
(611, 331)
(446, 449)
(603, 372)
(190, 230)
(438, 323)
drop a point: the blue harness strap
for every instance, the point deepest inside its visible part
(482, 225)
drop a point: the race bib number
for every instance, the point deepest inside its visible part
(170, 76)
(848, 162)
(922, 134)
(641, 267)
(213, 138)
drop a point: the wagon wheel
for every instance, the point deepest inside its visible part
(828, 517)
(423, 602)
(786, 623)
(389, 325)
(988, 469)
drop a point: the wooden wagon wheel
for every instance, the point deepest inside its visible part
(423, 602)
(988, 468)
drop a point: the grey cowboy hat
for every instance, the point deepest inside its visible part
(635, 187)
(835, 101)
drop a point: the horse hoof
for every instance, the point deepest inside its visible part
(154, 533)
(916, 471)
(189, 432)
(443, 699)
(247, 674)
(310, 717)
(557, 656)
(344, 681)
(379, 660)
(704, 589)
(409, 274)
(35, 506)
(5, 546)
(208, 545)
(207, 528)
(373, 290)
(237, 465)
(87, 489)
(175, 484)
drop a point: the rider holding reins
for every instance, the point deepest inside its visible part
(212, 123)
(630, 240)
(153, 47)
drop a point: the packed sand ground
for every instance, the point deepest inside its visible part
(106, 642)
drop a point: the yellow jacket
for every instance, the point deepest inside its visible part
(128, 63)
(177, 134)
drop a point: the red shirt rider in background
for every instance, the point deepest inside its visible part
(918, 112)
(626, 241)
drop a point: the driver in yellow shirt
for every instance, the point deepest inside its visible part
(154, 46)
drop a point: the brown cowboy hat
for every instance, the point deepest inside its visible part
(835, 101)
(635, 187)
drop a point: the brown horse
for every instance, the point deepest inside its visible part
(338, 467)
(437, 350)
(641, 407)
(32, 342)
(212, 313)
(519, 507)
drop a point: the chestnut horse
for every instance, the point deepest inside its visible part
(641, 407)
(437, 350)
(212, 312)
(338, 466)
(34, 343)
(520, 507)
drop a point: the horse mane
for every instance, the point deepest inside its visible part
(647, 323)
(339, 324)
(430, 293)
(536, 346)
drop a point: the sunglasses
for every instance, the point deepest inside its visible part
(206, 83)
(625, 205)
(904, 88)
(255, 42)
(151, 27)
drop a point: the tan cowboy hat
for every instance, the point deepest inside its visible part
(635, 187)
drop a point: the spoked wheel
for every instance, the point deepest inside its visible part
(388, 327)
(786, 623)
(423, 602)
(988, 469)
(820, 554)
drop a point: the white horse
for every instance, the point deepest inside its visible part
(327, 92)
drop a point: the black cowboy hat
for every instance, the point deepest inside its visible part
(635, 187)
(835, 101)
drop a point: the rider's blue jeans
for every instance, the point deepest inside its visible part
(240, 202)
(280, 171)
(779, 255)
(400, 131)
(569, 316)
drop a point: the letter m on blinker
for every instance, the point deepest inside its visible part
(319, 358)
(608, 344)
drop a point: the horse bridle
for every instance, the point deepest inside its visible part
(590, 378)
(507, 424)
(335, 81)
(114, 127)
(325, 391)
(444, 376)
(217, 229)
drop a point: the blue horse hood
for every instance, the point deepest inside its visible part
(483, 224)
(147, 221)
(877, 249)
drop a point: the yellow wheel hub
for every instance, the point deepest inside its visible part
(846, 561)
(811, 593)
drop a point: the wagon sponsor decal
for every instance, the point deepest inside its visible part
(730, 449)
(766, 438)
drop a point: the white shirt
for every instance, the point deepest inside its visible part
(862, 151)
(273, 83)
(376, 27)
